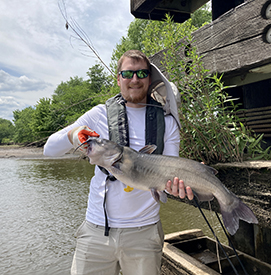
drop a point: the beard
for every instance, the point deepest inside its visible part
(137, 97)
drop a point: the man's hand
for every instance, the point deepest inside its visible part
(178, 189)
(80, 134)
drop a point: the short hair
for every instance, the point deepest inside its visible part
(135, 54)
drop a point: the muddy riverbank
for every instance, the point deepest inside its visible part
(16, 151)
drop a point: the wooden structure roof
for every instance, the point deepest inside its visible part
(155, 10)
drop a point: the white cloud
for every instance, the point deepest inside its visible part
(10, 84)
(36, 53)
(8, 101)
(7, 105)
(18, 92)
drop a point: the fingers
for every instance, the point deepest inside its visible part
(189, 193)
(177, 188)
(181, 189)
(173, 188)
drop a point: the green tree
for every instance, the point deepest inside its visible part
(6, 130)
(133, 40)
(71, 99)
(165, 34)
(201, 16)
(23, 128)
(142, 31)
(98, 79)
(41, 123)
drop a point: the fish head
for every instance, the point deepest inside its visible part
(103, 152)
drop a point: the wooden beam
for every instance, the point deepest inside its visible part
(235, 40)
(145, 6)
(156, 10)
(234, 43)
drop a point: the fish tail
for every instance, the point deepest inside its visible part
(235, 212)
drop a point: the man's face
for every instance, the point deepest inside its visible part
(134, 90)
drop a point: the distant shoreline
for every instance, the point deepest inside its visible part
(16, 151)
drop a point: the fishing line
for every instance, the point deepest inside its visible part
(231, 244)
(147, 104)
(216, 243)
(219, 243)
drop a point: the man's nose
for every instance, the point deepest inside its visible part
(135, 77)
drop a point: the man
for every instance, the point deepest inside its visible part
(122, 229)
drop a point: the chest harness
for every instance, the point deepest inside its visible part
(119, 131)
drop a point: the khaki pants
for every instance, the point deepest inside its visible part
(136, 251)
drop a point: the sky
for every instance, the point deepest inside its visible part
(37, 52)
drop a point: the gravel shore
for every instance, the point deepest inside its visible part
(15, 151)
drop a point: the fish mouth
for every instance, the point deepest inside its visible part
(88, 141)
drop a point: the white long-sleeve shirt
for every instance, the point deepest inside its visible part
(124, 209)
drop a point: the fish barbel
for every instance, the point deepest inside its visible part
(150, 172)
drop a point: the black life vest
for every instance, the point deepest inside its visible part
(118, 122)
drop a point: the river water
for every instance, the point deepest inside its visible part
(43, 201)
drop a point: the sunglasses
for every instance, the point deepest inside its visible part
(128, 74)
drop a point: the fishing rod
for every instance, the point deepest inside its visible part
(80, 33)
(219, 243)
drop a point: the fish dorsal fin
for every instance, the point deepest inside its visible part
(210, 169)
(213, 170)
(148, 149)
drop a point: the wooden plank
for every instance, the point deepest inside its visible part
(257, 119)
(242, 56)
(251, 117)
(193, 266)
(260, 123)
(145, 6)
(183, 235)
(255, 111)
(243, 22)
(262, 131)
(258, 109)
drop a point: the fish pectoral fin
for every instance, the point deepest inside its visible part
(203, 196)
(163, 196)
(159, 195)
(148, 149)
(116, 170)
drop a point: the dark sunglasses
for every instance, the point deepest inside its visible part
(128, 74)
